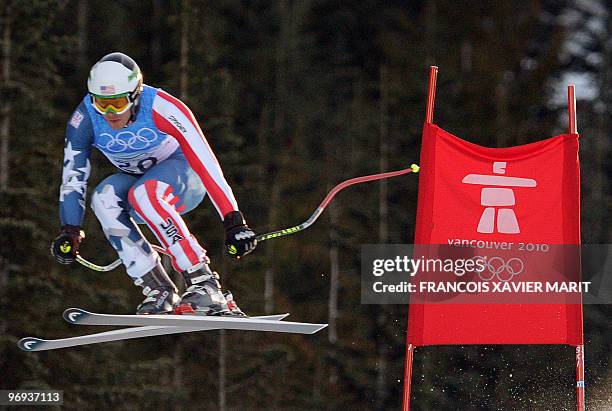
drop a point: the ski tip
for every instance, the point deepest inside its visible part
(74, 315)
(30, 344)
(277, 317)
(321, 326)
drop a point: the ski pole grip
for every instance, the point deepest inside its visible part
(65, 248)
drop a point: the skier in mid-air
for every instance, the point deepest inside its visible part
(166, 168)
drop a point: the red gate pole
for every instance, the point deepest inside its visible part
(407, 377)
(580, 377)
(573, 129)
(571, 110)
(429, 111)
(431, 94)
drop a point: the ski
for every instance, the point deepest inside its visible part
(38, 344)
(79, 316)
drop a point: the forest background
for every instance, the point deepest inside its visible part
(294, 97)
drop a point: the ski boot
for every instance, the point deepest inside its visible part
(203, 294)
(160, 291)
(235, 311)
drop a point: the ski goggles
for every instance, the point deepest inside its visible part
(118, 104)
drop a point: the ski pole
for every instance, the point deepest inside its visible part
(114, 264)
(286, 231)
(292, 230)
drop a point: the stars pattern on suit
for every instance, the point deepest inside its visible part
(74, 179)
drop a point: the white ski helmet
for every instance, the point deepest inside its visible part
(113, 77)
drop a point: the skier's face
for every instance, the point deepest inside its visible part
(117, 121)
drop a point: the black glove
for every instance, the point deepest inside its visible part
(239, 238)
(65, 247)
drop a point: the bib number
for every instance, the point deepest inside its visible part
(142, 165)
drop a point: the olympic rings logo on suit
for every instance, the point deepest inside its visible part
(125, 140)
(503, 270)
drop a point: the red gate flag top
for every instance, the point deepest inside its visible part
(528, 194)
